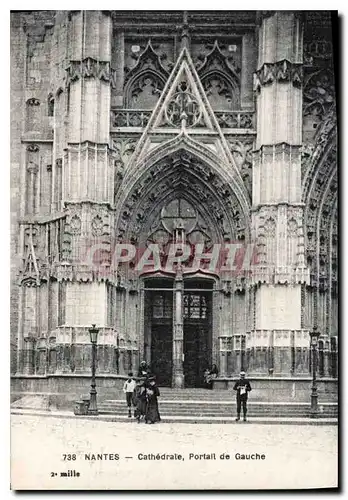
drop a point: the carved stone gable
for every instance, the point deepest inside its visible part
(184, 108)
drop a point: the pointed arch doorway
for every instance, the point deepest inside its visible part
(178, 320)
(180, 198)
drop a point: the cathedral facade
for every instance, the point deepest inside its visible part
(174, 182)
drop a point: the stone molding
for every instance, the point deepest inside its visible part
(281, 71)
(280, 147)
(90, 68)
(278, 338)
(285, 275)
(33, 102)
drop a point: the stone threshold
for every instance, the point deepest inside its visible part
(181, 419)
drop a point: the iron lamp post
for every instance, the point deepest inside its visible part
(93, 409)
(314, 389)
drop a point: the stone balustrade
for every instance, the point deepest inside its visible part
(125, 118)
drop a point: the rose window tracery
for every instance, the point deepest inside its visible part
(179, 214)
(183, 105)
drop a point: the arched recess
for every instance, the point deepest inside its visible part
(222, 91)
(142, 91)
(181, 173)
(320, 223)
(220, 167)
(145, 82)
(181, 169)
(220, 80)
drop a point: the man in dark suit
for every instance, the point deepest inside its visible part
(242, 386)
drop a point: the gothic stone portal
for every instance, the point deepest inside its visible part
(161, 322)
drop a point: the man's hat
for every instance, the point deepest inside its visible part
(152, 377)
(242, 373)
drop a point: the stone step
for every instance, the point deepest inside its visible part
(214, 396)
(225, 402)
(225, 416)
(192, 419)
(227, 408)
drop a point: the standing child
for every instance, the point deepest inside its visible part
(128, 389)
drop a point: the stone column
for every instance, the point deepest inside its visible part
(118, 62)
(63, 349)
(248, 57)
(85, 186)
(223, 358)
(41, 361)
(327, 358)
(29, 356)
(135, 361)
(32, 190)
(88, 170)
(178, 333)
(277, 214)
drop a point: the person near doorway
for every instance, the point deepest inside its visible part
(128, 389)
(206, 376)
(243, 387)
(143, 369)
(210, 375)
(139, 398)
(152, 414)
(214, 372)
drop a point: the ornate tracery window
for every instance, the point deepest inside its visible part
(195, 306)
(178, 213)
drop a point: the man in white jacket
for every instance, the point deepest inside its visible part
(128, 389)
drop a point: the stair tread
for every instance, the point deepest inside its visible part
(229, 402)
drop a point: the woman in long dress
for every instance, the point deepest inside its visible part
(140, 399)
(152, 414)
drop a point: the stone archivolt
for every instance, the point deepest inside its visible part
(181, 173)
(320, 199)
(183, 146)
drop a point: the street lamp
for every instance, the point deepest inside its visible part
(314, 390)
(93, 410)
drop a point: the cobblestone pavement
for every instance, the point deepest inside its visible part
(294, 455)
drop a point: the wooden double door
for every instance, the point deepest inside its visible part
(197, 326)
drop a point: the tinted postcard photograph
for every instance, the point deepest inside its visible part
(174, 250)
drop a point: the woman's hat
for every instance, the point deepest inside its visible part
(152, 377)
(242, 373)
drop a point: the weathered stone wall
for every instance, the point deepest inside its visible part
(72, 145)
